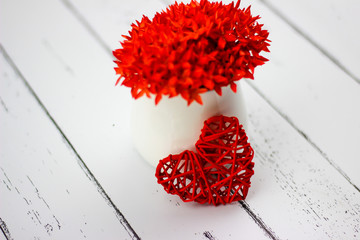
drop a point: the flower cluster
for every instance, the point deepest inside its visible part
(189, 49)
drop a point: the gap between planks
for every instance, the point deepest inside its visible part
(5, 230)
(268, 231)
(81, 163)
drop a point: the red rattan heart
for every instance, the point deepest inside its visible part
(219, 172)
(224, 146)
(182, 175)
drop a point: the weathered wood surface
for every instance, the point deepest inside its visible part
(300, 189)
(45, 191)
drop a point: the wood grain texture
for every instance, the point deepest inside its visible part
(44, 192)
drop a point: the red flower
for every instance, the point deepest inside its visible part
(189, 49)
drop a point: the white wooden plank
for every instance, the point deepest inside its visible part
(314, 94)
(271, 187)
(74, 77)
(44, 194)
(332, 25)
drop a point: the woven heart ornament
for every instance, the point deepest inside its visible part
(220, 171)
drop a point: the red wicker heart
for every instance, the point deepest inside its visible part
(182, 175)
(219, 172)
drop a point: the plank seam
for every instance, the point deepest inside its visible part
(87, 26)
(5, 230)
(80, 161)
(268, 231)
(4, 105)
(313, 144)
(310, 40)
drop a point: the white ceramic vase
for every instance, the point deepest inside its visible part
(172, 126)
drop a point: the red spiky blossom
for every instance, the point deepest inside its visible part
(189, 49)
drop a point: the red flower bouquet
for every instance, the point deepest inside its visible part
(189, 49)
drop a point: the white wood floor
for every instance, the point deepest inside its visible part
(68, 169)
